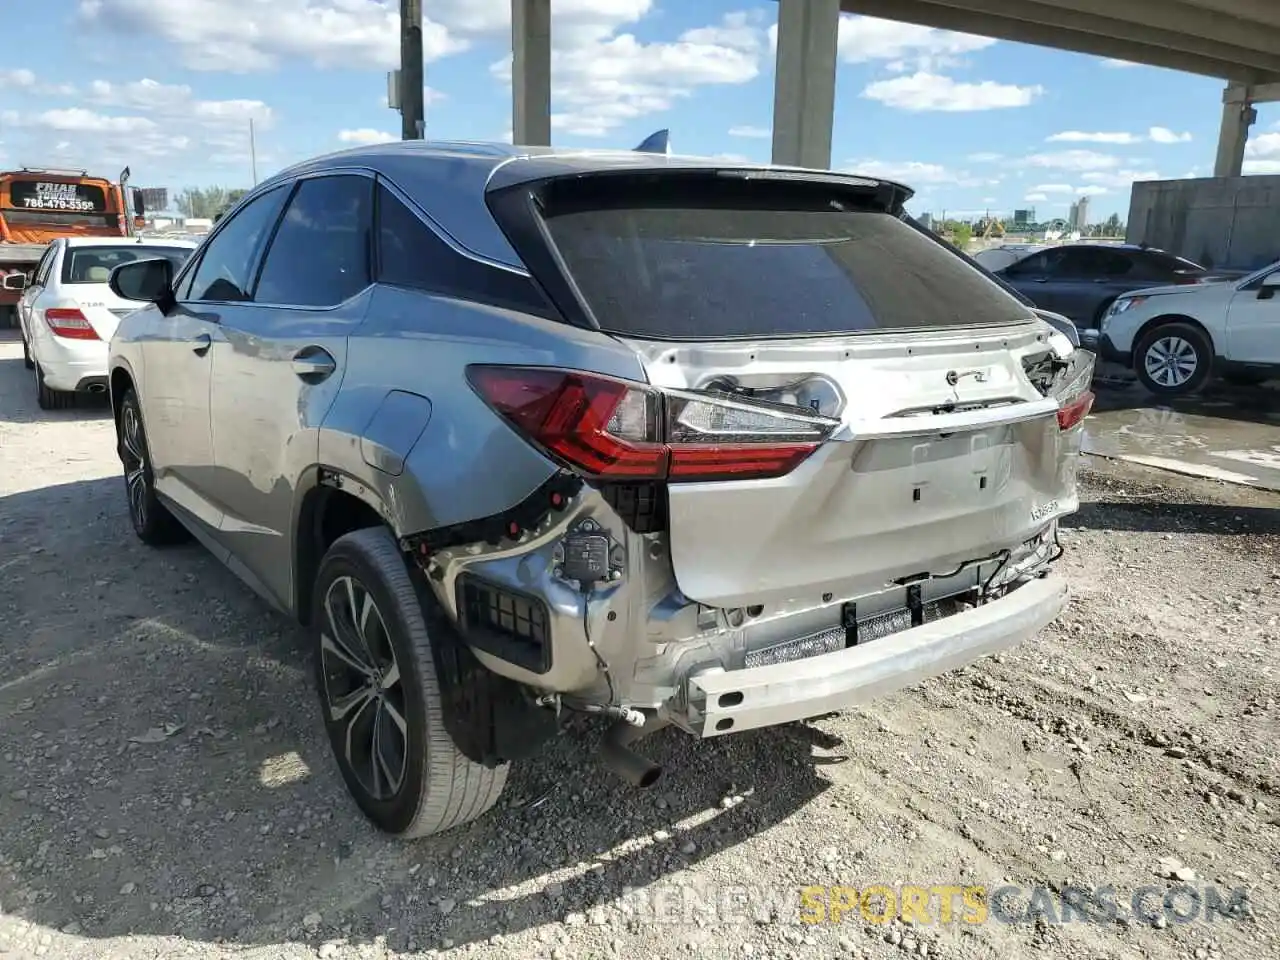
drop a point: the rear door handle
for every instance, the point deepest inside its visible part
(313, 363)
(200, 345)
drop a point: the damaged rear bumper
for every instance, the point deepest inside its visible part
(720, 702)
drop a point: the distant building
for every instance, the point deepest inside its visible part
(926, 220)
(1079, 215)
(1024, 218)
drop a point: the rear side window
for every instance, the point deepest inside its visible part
(321, 251)
(1166, 265)
(94, 264)
(699, 269)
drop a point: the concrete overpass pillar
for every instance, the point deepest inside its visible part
(1238, 116)
(804, 82)
(531, 72)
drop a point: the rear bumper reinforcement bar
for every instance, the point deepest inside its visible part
(722, 702)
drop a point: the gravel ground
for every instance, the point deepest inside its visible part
(166, 789)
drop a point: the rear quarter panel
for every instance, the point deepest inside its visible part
(467, 464)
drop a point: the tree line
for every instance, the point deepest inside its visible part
(207, 202)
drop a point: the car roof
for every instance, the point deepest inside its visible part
(448, 179)
(125, 242)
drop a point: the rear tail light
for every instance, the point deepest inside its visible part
(1072, 390)
(69, 323)
(622, 430)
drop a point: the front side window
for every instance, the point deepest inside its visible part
(320, 254)
(225, 269)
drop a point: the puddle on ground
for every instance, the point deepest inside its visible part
(1233, 438)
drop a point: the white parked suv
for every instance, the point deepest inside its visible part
(1177, 338)
(68, 313)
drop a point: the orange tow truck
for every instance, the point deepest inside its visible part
(39, 204)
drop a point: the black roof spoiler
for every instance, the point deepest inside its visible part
(657, 142)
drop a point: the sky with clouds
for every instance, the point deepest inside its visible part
(168, 87)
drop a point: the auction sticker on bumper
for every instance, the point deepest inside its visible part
(1044, 510)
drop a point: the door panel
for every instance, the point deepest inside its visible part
(179, 357)
(277, 372)
(176, 406)
(1253, 326)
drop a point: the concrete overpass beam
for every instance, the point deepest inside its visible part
(804, 83)
(531, 72)
(1238, 116)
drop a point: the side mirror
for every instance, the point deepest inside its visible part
(15, 281)
(150, 281)
(139, 204)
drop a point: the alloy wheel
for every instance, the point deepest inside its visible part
(362, 688)
(1171, 361)
(134, 454)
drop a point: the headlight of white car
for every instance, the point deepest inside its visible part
(1118, 306)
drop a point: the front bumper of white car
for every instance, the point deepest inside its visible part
(720, 702)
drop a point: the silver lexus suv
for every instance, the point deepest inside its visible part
(519, 432)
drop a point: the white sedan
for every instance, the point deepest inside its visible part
(1177, 338)
(68, 313)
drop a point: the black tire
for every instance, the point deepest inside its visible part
(26, 356)
(436, 786)
(151, 519)
(1166, 343)
(49, 399)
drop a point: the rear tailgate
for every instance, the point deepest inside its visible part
(889, 495)
(816, 294)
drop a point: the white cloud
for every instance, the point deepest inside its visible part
(1077, 136)
(1263, 146)
(746, 130)
(80, 120)
(599, 85)
(1262, 154)
(1053, 188)
(1091, 190)
(243, 36)
(863, 39)
(176, 101)
(1113, 64)
(1118, 179)
(25, 80)
(1073, 160)
(929, 91)
(912, 172)
(985, 157)
(21, 78)
(251, 35)
(1036, 197)
(366, 135)
(1165, 135)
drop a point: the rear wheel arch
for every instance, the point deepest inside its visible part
(120, 380)
(330, 506)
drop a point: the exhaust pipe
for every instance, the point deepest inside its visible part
(97, 388)
(617, 755)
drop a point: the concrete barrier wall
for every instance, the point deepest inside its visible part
(1221, 222)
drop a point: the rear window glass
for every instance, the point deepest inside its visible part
(49, 195)
(706, 272)
(94, 264)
